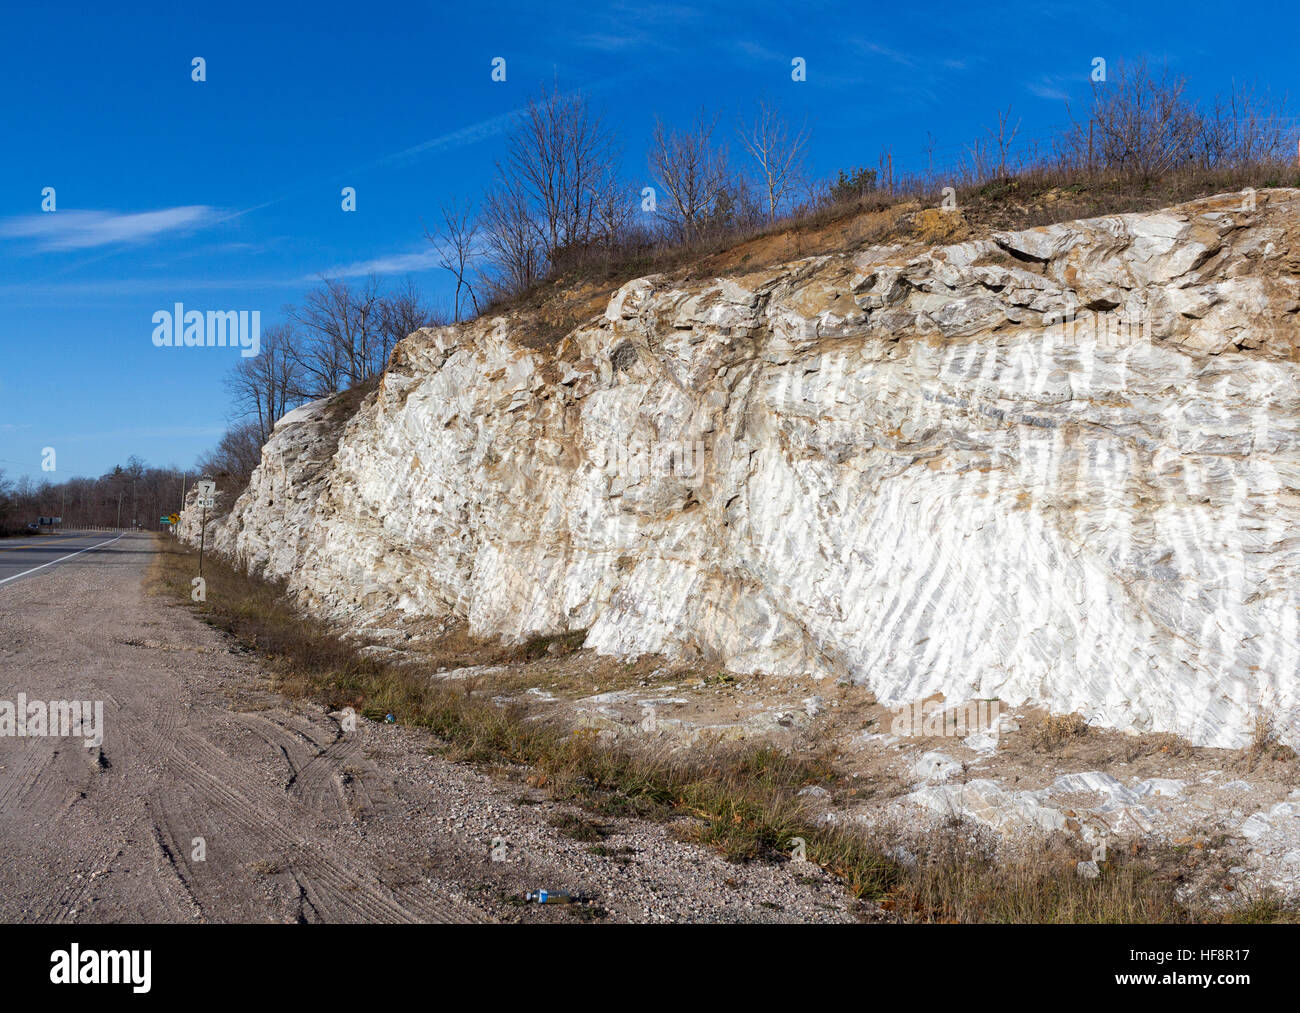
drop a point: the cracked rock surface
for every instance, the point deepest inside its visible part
(1055, 467)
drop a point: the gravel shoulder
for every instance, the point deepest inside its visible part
(213, 798)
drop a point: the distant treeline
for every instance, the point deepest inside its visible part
(130, 494)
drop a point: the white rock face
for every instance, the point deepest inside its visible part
(935, 766)
(1057, 466)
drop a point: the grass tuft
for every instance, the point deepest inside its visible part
(1057, 729)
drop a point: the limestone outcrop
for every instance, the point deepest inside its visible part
(1058, 465)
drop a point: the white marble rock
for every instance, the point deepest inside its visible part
(899, 466)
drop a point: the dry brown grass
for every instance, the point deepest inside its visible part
(1055, 730)
(739, 798)
(1157, 744)
(958, 875)
(1265, 743)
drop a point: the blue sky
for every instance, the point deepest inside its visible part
(225, 194)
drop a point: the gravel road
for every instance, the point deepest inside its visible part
(211, 798)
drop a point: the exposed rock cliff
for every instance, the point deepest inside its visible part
(1059, 465)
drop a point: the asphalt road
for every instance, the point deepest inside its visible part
(20, 557)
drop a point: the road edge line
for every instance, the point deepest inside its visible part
(70, 555)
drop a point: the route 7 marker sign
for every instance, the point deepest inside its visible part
(206, 499)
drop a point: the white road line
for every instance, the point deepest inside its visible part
(97, 545)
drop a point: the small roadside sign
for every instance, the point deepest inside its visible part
(165, 519)
(174, 519)
(207, 499)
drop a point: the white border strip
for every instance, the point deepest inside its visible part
(98, 545)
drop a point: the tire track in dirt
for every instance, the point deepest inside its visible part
(115, 840)
(19, 778)
(314, 764)
(260, 809)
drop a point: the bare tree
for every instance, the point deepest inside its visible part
(885, 168)
(456, 248)
(266, 386)
(402, 311)
(234, 459)
(7, 504)
(319, 357)
(778, 151)
(1245, 128)
(613, 209)
(343, 346)
(1138, 123)
(1004, 138)
(557, 163)
(976, 165)
(511, 239)
(691, 170)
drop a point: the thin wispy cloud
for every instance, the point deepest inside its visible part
(757, 51)
(1054, 87)
(85, 230)
(626, 26)
(926, 75)
(472, 134)
(146, 432)
(608, 43)
(160, 287)
(897, 56)
(396, 263)
(34, 225)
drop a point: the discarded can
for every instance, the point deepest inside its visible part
(553, 897)
(389, 719)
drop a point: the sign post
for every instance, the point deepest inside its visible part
(207, 494)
